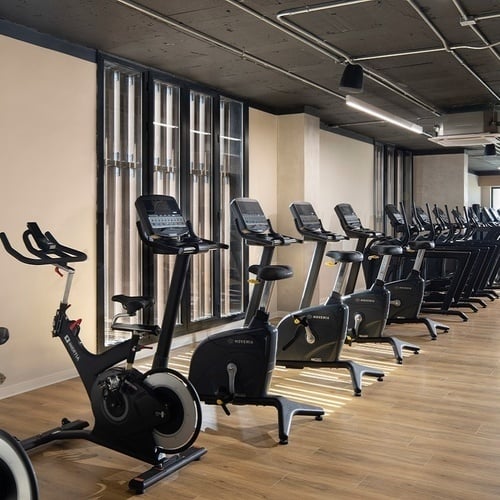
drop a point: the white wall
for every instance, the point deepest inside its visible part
(48, 162)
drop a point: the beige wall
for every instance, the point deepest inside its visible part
(486, 182)
(347, 176)
(474, 190)
(441, 179)
(48, 162)
(312, 165)
(298, 179)
(263, 172)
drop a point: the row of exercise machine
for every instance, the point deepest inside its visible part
(156, 416)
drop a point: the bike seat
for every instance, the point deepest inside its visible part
(271, 272)
(421, 245)
(132, 304)
(345, 255)
(386, 249)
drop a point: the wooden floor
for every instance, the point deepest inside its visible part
(431, 430)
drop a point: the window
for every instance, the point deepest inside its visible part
(122, 184)
(231, 186)
(160, 135)
(393, 176)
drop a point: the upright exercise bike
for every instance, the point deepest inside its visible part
(407, 294)
(232, 367)
(313, 336)
(17, 477)
(151, 415)
(369, 309)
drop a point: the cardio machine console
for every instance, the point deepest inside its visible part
(249, 216)
(309, 224)
(160, 216)
(303, 212)
(351, 223)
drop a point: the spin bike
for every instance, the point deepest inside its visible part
(310, 337)
(17, 477)
(151, 415)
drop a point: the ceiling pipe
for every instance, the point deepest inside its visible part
(279, 27)
(371, 74)
(417, 9)
(474, 28)
(446, 47)
(423, 51)
(322, 6)
(223, 45)
(327, 49)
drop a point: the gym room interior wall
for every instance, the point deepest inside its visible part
(48, 161)
(474, 190)
(441, 179)
(346, 176)
(291, 159)
(486, 182)
(263, 172)
(298, 179)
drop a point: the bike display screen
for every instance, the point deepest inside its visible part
(305, 215)
(160, 215)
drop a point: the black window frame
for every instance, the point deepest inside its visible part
(149, 75)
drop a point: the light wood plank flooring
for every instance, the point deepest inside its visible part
(431, 430)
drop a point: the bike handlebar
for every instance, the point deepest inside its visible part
(47, 250)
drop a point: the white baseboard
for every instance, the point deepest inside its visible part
(30, 385)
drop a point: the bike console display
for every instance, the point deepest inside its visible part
(250, 217)
(160, 215)
(163, 228)
(351, 223)
(309, 224)
(253, 225)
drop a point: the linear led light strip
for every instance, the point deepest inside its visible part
(383, 115)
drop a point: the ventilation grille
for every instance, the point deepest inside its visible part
(466, 140)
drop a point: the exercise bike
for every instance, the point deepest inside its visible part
(369, 309)
(407, 294)
(17, 477)
(310, 337)
(151, 415)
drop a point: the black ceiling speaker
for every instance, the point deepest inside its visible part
(352, 79)
(490, 150)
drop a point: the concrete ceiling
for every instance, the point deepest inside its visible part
(423, 60)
